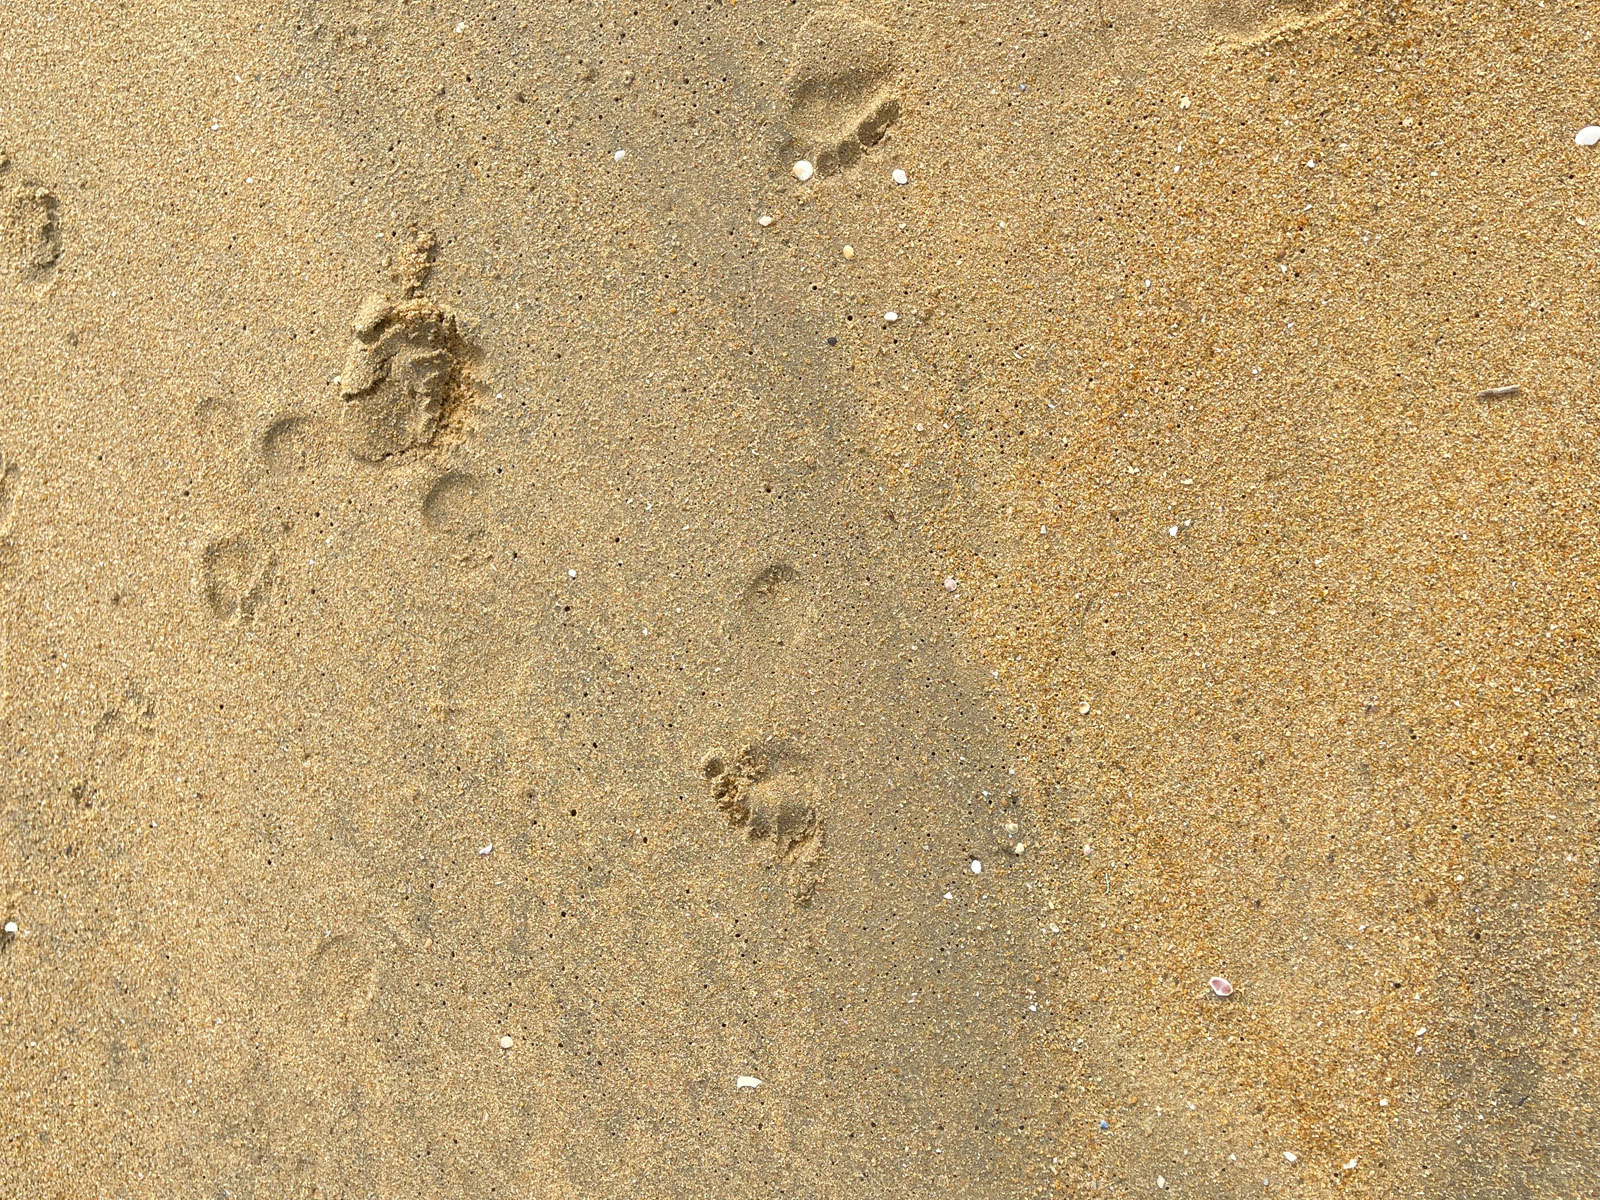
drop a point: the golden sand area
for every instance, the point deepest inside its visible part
(798, 600)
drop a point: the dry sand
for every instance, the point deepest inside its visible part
(465, 577)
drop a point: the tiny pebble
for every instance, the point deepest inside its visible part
(11, 926)
(505, 1042)
(763, 220)
(619, 156)
(1161, 1181)
(486, 849)
(1290, 1156)
(899, 176)
(803, 170)
(1083, 709)
(849, 251)
(747, 1081)
(1019, 848)
(977, 867)
(1351, 1165)
(891, 316)
(1588, 135)
(1500, 393)
(1184, 102)
(1221, 986)
(951, 583)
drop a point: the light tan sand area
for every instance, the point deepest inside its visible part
(797, 600)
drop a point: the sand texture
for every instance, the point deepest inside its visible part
(543, 656)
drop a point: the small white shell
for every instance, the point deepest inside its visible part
(803, 170)
(1589, 135)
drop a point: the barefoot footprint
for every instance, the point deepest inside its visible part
(404, 383)
(235, 576)
(30, 226)
(840, 96)
(766, 791)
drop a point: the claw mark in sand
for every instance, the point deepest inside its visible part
(840, 96)
(766, 791)
(404, 383)
(30, 225)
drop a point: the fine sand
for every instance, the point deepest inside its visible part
(543, 656)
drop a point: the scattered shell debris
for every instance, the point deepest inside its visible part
(1588, 135)
(763, 220)
(899, 177)
(977, 867)
(505, 1041)
(1500, 393)
(803, 170)
(619, 155)
(951, 583)
(1289, 1156)
(891, 316)
(747, 1081)
(1220, 986)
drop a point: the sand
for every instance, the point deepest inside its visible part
(517, 679)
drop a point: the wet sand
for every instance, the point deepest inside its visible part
(520, 677)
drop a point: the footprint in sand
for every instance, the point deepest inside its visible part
(841, 93)
(30, 224)
(454, 505)
(10, 491)
(1243, 24)
(767, 792)
(286, 445)
(402, 385)
(342, 980)
(235, 576)
(405, 383)
(10, 486)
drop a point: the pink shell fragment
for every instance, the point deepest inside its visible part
(1221, 986)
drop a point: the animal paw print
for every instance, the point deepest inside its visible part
(840, 96)
(765, 792)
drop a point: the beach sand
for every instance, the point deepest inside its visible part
(543, 656)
